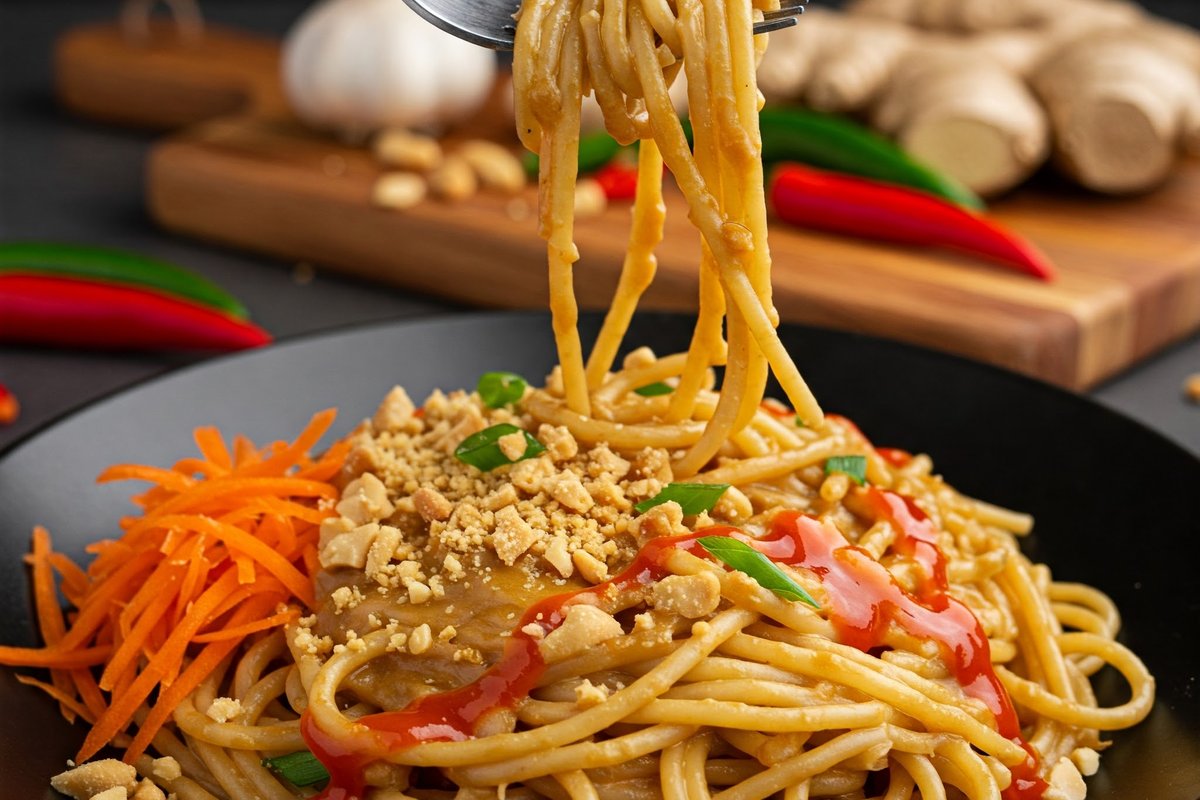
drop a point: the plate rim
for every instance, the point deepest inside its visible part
(453, 317)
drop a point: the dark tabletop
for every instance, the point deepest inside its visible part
(64, 179)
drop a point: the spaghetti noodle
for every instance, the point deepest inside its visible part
(560, 623)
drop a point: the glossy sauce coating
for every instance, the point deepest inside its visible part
(864, 601)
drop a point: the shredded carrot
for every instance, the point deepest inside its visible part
(50, 618)
(166, 478)
(225, 549)
(54, 657)
(273, 621)
(63, 698)
(212, 446)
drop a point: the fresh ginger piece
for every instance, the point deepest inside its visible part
(966, 116)
(1124, 103)
(833, 62)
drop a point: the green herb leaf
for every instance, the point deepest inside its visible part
(481, 451)
(498, 389)
(693, 498)
(799, 422)
(301, 769)
(654, 390)
(744, 558)
(854, 466)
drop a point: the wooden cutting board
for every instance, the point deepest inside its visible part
(1129, 279)
(1129, 270)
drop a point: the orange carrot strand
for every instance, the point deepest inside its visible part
(64, 699)
(289, 455)
(58, 657)
(236, 538)
(208, 659)
(242, 631)
(212, 446)
(166, 478)
(125, 705)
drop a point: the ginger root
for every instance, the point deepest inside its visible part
(1113, 93)
(832, 62)
(1124, 103)
(977, 16)
(962, 112)
(966, 116)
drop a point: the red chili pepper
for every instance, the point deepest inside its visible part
(619, 181)
(10, 409)
(868, 209)
(38, 309)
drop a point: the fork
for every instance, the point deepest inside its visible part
(489, 23)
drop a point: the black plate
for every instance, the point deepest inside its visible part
(1116, 504)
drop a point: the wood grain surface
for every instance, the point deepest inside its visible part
(102, 72)
(1129, 280)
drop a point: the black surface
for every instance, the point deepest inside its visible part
(67, 179)
(1115, 503)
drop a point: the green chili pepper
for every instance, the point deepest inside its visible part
(595, 150)
(114, 266)
(841, 145)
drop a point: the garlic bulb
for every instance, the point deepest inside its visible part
(358, 65)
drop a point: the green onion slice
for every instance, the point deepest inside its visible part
(498, 389)
(744, 558)
(853, 466)
(654, 390)
(693, 498)
(301, 769)
(481, 451)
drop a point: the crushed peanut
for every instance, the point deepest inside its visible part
(224, 709)
(147, 790)
(96, 777)
(691, 596)
(1065, 782)
(588, 695)
(420, 640)
(165, 768)
(583, 627)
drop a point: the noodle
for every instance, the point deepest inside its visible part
(525, 632)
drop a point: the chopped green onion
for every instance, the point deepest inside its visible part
(853, 466)
(799, 422)
(481, 450)
(299, 769)
(498, 389)
(744, 558)
(654, 390)
(693, 498)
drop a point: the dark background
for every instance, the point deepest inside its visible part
(64, 179)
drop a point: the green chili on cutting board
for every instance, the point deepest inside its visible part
(838, 144)
(595, 150)
(114, 266)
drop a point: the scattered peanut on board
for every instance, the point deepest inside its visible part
(1191, 388)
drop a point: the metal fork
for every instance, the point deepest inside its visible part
(489, 23)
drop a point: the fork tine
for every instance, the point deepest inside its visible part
(782, 12)
(775, 24)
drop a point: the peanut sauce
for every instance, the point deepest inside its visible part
(864, 600)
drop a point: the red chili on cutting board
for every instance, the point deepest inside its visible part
(67, 312)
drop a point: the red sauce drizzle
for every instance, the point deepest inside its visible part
(776, 409)
(453, 716)
(894, 456)
(863, 600)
